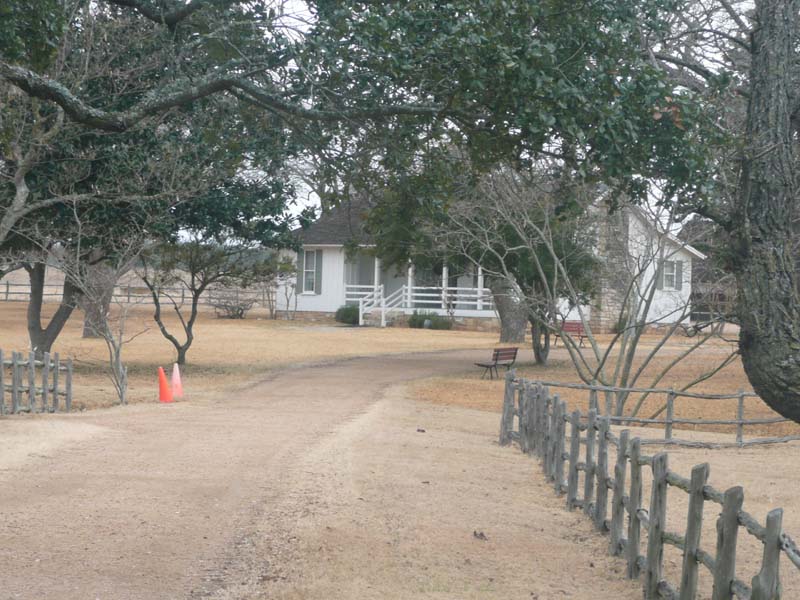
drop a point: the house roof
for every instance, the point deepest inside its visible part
(644, 218)
(339, 225)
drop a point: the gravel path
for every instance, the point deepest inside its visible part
(314, 484)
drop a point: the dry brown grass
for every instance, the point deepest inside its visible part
(226, 354)
(467, 389)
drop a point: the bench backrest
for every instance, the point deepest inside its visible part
(504, 354)
(572, 327)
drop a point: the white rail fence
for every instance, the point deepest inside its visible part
(133, 294)
(441, 300)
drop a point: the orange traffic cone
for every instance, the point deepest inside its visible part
(177, 386)
(164, 393)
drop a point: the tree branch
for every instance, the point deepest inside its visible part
(171, 18)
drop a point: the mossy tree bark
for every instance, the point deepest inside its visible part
(765, 265)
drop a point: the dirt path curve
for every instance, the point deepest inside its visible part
(247, 496)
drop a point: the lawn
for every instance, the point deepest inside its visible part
(226, 354)
(467, 388)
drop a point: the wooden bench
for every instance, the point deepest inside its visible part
(573, 328)
(501, 357)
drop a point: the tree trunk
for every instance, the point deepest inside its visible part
(42, 338)
(181, 356)
(540, 340)
(99, 283)
(768, 304)
(512, 310)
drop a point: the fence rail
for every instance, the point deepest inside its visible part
(140, 294)
(441, 300)
(541, 430)
(670, 420)
(28, 395)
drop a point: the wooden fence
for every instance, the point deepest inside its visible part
(542, 422)
(18, 377)
(669, 420)
(133, 294)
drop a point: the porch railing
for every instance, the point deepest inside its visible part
(444, 300)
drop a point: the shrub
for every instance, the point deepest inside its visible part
(417, 321)
(228, 305)
(347, 315)
(439, 322)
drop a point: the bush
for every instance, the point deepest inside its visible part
(228, 305)
(438, 322)
(347, 315)
(417, 321)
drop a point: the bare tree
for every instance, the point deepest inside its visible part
(513, 218)
(179, 274)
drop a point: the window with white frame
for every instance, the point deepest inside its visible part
(309, 271)
(670, 279)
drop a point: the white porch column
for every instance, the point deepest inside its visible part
(377, 276)
(480, 288)
(410, 285)
(445, 278)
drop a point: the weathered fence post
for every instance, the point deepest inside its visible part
(601, 470)
(727, 533)
(544, 399)
(554, 427)
(14, 383)
(32, 381)
(531, 413)
(535, 400)
(524, 407)
(609, 403)
(588, 481)
(56, 373)
(520, 409)
(561, 447)
(45, 380)
(694, 527)
(574, 456)
(552, 432)
(593, 396)
(740, 418)
(2, 385)
(507, 419)
(547, 423)
(617, 505)
(670, 415)
(634, 504)
(68, 387)
(767, 584)
(658, 517)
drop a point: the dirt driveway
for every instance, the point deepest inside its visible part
(319, 483)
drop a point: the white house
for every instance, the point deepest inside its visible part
(330, 276)
(642, 262)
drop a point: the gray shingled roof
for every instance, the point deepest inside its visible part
(339, 225)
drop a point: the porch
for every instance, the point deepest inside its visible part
(446, 294)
